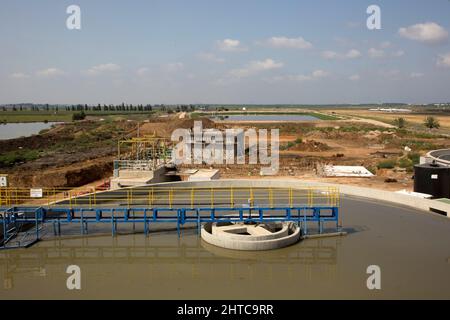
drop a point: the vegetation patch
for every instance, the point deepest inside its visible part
(387, 164)
(11, 158)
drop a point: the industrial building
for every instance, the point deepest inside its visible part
(432, 175)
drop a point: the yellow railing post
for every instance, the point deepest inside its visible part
(70, 199)
(128, 198)
(251, 197)
(131, 197)
(212, 197)
(95, 196)
(232, 197)
(149, 198)
(310, 197)
(271, 198)
(290, 198)
(192, 198)
(170, 198)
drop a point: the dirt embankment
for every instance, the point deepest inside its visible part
(75, 154)
(69, 155)
(69, 176)
(164, 127)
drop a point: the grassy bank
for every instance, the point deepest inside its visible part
(64, 116)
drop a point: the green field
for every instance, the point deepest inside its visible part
(66, 116)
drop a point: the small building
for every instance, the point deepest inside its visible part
(346, 171)
(205, 175)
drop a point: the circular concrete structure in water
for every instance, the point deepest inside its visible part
(251, 237)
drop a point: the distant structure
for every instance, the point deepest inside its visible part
(432, 175)
(141, 161)
(393, 110)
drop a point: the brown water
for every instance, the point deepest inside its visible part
(412, 249)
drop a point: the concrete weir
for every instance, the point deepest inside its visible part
(251, 237)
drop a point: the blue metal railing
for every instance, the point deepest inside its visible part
(181, 216)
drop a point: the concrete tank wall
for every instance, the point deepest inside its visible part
(368, 193)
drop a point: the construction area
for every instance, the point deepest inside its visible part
(126, 206)
(105, 154)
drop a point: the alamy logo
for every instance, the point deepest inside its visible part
(210, 146)
(73, 22)
(374, 20)
(74, 280)
(374, 280)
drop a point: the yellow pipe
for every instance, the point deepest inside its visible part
(212, 197)
(192, 198)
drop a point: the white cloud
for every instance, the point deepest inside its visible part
(284, 42)
(329, 54)
(174, 66)
(230, 45)
(255, 67)
(102, 68)
(351, 54)
(354, 77)
(375, 53)
(398, 53)
(316, 74)
(444, 60)
(19, 75)
(319, 74)
(392, 74)
(429, 32)
(416, 75)
(50, 72)
(142, 71)
(385, 44)
(210, 57)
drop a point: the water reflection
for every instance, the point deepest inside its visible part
(16, 130)
(189, 257)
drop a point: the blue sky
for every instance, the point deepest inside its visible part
(212, 51)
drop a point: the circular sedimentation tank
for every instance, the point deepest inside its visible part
(409, 244)
(251, 237)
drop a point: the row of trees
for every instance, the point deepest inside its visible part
(429, 122)
(111, 107)
(104, 107)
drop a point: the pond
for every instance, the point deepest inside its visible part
(17, 130)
